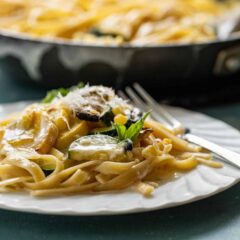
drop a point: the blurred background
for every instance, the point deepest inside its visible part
(185, 52)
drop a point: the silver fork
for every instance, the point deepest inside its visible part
(144, 101)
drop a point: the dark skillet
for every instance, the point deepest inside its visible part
(55, 63)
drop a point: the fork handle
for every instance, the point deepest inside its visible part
(228, 155)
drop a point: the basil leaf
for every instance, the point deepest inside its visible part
(121, 131)
(54, 93)
(78, 86)
(133, 131)
(51, 95)
(135, 128)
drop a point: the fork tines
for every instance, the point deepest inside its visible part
(146, 102)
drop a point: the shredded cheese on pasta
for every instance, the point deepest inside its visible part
(34, 154)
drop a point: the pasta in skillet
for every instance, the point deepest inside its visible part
(87, 139)
(140, 22)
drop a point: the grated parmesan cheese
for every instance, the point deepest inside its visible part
(92, 97)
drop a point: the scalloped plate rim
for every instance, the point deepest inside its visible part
(104, 211)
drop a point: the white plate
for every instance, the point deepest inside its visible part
(197, 184)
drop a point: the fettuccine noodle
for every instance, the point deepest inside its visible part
(115, 21)
(36, 147)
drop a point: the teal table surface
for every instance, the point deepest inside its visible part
(217, 217)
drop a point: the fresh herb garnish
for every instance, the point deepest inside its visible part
(51, 95)
(78, 86)
(133, 131)
(121, 131)
(54, 93)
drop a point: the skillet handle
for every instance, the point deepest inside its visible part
(228, 61)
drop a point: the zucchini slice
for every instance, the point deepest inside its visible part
(95, 113)
(95, 106)
(98, 147)
(110, 131)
